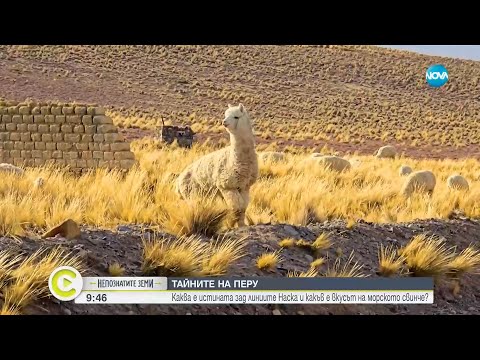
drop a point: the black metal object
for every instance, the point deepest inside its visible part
(183, 134)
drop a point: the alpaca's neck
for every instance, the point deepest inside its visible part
(242, 146)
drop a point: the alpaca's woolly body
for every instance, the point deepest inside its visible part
(233, 167)
(331, 162)
(4, 167)
(387, 151)
(421, 181)
(457, 182)
(273, 156)
(228, 172)
(405, 170)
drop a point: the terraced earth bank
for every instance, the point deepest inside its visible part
(101, 248)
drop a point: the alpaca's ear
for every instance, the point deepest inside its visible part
(240, 106)
(230, 105)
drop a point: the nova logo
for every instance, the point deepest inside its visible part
(437, 75)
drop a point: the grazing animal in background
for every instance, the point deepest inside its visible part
(9, 168)
(230, 171)
(419, 181)
(332, 162)
(405, 170)
(387, 151)
(272, 156)
(457, 182)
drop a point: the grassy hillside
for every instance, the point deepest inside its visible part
(340, 94)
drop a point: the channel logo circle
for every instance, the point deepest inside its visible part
(437, 75)
(65, 283)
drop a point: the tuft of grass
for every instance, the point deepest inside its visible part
(322, 242)
(29, 281)
(22, 291)
(41, 264)
(350, 223)
(427, 256)
(287, 243)
(196, 216)
(303, 244)
(349, 269)
(175, 257)
(389, 262)
(268, 261)
(8, 260)
(116, 269)
(312, 272)
(222, 254)
(9, 310)
(317, 263)
(468, 261)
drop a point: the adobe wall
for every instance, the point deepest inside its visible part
(78, 136)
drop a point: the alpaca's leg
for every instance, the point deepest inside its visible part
(234, 202)
(245, 194)
(185, 186)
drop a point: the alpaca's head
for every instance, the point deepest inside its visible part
(237, 120)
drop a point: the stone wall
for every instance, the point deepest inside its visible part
(77, 136)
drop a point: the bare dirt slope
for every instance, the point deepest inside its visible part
(369, 93)
(101, 248)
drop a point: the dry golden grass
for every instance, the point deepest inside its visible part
(287, 243)
(222, 254)
(427, 256)
(350, 223)
(468, 261)
(317, 263)
(389, 262)
(27, 279)
(322, 242)
(200, 215)
(268, 261)
(7, 262)
(303, 244)
(191, 255)
(349, 268)
(312, 272)
(174, 257)
(13, 310)
(116, 269)
(296, 194)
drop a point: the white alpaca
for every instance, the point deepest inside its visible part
(419, 181)
(331, 162)
(230, 171)
(387, 151)
(405, 170)
(4, 167)
(457, 182)
(272, 156)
